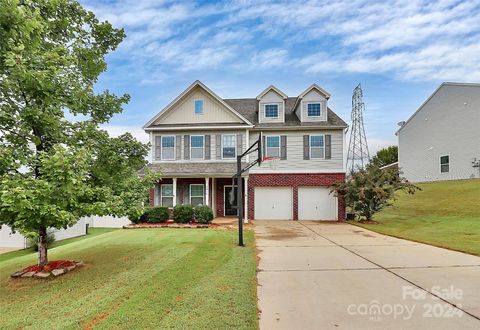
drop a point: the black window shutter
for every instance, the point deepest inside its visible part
(178, 146)
(158, 147)
(239, 144)
(283, 147)
(186, 143)
(306, 147)
(218, 146)
(207, 146)
(328, 146)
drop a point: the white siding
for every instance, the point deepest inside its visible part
(295, 162)
(107, 221)
(271, 98)
(447, 124)
(213, 111)
(213, 155)
(17, 240)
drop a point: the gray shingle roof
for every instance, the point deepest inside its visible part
(249, 109)
(194, 169)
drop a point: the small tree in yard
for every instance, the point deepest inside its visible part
(385, 156)
(52, 170)
(370, 190)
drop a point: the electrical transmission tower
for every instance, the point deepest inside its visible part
(358, 155)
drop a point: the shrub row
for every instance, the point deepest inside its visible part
(181, 214)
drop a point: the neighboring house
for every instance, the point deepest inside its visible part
(441, 140)
(9, 239)
(196, 138)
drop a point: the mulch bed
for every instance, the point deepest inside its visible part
(171, 224)
(53, 268)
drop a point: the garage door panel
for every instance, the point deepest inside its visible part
(316, 203)
(273, 203)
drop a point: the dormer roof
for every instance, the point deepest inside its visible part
(272, 88)
(316, 87)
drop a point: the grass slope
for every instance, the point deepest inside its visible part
(445, 214)
(142, 278)
(91, 233)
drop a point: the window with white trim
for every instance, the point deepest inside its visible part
(445, 164)
(313, 110)
(166, 195)
(272, 146)
(198, 107)
(197, 146)
(317, 146)
(271, 110)
(229, 145)
(168, 147)
(197, 194)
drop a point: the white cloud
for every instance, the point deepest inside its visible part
(116, 130)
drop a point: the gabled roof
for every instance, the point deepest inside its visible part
(431, 96)
(271, 88)
(196, 83)
(318, 88)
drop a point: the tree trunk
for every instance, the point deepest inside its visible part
(42, 246)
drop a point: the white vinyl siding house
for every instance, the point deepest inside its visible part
(271, 107)
(442, 139)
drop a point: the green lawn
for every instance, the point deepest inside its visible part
(445, 214)
(142, 278)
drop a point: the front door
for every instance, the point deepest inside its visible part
(230, 200)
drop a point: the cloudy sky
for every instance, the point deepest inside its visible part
(400, 51)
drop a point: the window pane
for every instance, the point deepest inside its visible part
(228, 152)
(197, 153)
(198, 106)
(196, 201)
(273, 152)
(168, 141)
(229, 140)
(444, 168)
(316, 140)
(313, 109)
(444, 160)
(317, 152)
(167, 190)
(168, 153)
(167, 201)
(271, 110)
(273, 141)
(196, 190)
(197, 141)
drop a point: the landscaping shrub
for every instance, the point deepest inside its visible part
(141, 219)
(158, 214)
(203, 214)
(183, 213)
(33, 240)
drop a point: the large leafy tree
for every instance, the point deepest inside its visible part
(55, 168)
(385, 156)
(369, 190)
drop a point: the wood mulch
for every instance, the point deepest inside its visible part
(171, 224)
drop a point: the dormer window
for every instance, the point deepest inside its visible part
(271, 110)
(313, 109)
(198, 107)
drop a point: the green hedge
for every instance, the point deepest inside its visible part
(203, 214)
(158, 214)
(183, 213)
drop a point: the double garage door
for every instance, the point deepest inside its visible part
(276, 203)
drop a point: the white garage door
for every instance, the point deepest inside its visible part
(273, 203)
(315, 203)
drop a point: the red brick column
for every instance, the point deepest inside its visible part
(295, 203)
(152, 197)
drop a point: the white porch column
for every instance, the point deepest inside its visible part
(207, 192)
(174, 188)
(245, 212)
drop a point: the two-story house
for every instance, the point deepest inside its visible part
(196, 138)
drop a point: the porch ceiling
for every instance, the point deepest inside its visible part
(225, 169)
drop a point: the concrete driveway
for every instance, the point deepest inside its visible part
(315, 275)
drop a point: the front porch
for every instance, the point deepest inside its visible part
(220, 193)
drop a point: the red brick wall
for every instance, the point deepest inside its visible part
(293, 180)
(219, 194)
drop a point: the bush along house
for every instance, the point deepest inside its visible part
(196, 138)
